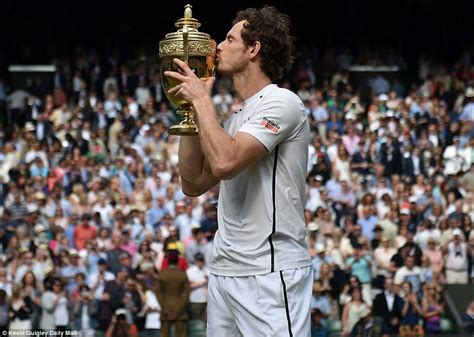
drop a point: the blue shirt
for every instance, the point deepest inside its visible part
(321, 303)
(361, 269)
(368, 225)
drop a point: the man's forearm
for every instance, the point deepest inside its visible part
(190, 158)
(217, 145)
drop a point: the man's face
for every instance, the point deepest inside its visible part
(410, 262)
(232, 54)
(388, 284)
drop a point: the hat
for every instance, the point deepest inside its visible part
(102, 261)
(413, 199)
(199, 257)
(43, 246)
(469, 92)
(172, 246)
(137, 207)
(383, 97)
(29, 126)
(456, 138)
(374, 126)
(318, 177)
(146, 127)
(39, 228)
(320, 248)
(458, 232)
(73, 253)
(120, 311)
(48, 271)
(40, 196)
(31, 208)
(124, 255)
(312, 226)
(405, 211)
(23, 250)
(390, 113)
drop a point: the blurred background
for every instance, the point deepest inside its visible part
(40, 32)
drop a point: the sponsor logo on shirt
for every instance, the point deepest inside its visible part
(271, 125)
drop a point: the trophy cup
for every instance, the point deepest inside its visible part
(198, 51)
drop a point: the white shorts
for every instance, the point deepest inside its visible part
(275, 304)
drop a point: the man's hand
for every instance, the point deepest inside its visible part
(191, 86)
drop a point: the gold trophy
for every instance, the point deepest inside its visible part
(198, 51)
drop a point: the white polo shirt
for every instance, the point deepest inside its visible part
(260, 211)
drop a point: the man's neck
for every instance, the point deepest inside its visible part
(249, 83)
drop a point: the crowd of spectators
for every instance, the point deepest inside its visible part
(97, 236)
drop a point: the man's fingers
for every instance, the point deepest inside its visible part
(175, 75)
(174, 89)
(184, 67)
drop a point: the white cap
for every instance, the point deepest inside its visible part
(457, 231)
(383, 97)
(413, 199)
(312, 226)
(405, 211)
(320, 248)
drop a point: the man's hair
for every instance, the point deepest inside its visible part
(272, 29)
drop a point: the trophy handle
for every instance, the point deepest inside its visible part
(185, 44)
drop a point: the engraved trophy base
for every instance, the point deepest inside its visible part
(187, 127)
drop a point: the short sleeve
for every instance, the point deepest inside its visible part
(277, 118)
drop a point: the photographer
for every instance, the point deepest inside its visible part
(119, 327)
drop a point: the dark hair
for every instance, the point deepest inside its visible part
(272, 29)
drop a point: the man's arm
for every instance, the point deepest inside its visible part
(196, 176)
(226, 155)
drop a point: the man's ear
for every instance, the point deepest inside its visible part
(254, 49)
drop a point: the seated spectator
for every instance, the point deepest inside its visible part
(468, 319)
(318, 326)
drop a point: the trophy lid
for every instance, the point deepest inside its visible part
(187, 24)
(199, 42)
(187, 19)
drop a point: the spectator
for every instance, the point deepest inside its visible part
(318, 328)
(411, 274)
(353, 311)
(468, 319)
(172, 291)
(4, 312)
(21, 310)
(360, 265)
(432, 310)
(457, 253)
(388, 305)
(198, 277)
(151, 309)
(411, 312)
(320, 300)
(120, 327)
